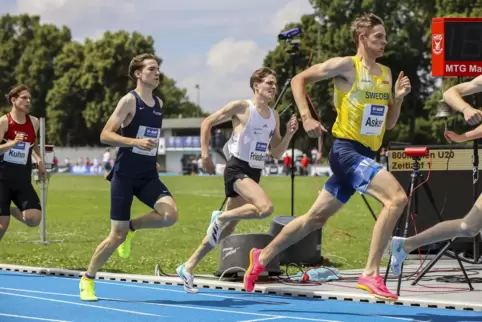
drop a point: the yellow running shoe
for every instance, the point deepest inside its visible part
(87, 289)
(124, 250)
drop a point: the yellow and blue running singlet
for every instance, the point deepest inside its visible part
(362, 110)
(358, 131)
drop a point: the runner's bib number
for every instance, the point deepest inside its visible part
(257, 154)
(373, 119)
(146, 132)
(18, 154)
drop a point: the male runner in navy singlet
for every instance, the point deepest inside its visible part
(18, 137)
(138, 115)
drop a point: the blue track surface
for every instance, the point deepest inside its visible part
(30, 297)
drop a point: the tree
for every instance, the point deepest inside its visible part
(76, 86)
(175, 100)
(15, 34)
(66, 100)
(104, 73)
(35, 66)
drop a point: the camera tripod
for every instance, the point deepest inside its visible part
(412, 207)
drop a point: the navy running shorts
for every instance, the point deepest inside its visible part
(353, 167)
(123, 190)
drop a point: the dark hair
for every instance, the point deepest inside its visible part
(138, 63)
(259, 74)
(16, 91)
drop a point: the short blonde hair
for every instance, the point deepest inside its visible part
(259, 74)
(364, 24)
(138, 63)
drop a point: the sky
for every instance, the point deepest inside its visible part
(214, 43)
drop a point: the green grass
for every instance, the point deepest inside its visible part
(78, 214)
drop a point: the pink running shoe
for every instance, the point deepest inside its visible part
(254, 269)
(375, 286)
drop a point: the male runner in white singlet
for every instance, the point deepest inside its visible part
(256, 126)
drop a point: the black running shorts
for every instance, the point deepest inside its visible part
(238, 169)
(123, 190)
(21, 193)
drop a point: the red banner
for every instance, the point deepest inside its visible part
(456, 47)
(438, 38)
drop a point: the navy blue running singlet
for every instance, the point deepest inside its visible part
(147, 123)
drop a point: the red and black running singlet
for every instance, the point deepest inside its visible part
(16, 163)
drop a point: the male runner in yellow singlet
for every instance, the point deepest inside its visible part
(365, 107)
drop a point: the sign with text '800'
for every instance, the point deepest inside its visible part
(450, 182)
(439, 160)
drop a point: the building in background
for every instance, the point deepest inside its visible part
(180, 144)
(179, 153)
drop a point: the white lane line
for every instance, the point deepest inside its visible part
(238, 298)
(273, 318)
(286, 303)
(198, 294)
(166, 305)
(79, 304)
(30, 317)
(395, 318)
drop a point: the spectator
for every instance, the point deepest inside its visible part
(200, 164)
(314, 154)
(383, 156)
(194, 166)
(304, 165)
(55, 164)
(106, 161)
(67, 164)
(96, 168)
(286, 164)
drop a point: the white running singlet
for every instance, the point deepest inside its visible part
(251, 144)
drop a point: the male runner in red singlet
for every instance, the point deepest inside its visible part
(18, 137)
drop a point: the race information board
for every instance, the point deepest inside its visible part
(442, 160)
